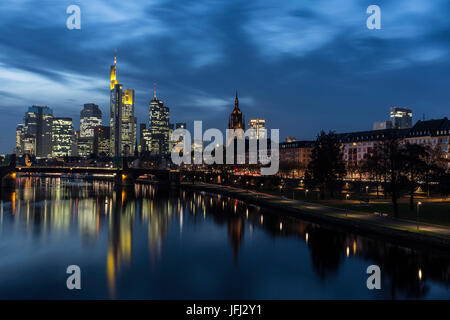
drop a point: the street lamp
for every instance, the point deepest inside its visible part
(306, 193)
(418, 207)
(346, 196)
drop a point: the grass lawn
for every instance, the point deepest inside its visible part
(430, 212)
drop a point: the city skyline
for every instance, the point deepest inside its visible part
(230, 154)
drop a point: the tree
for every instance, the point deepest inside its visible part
(392, 160)
(374, 166)
(415, 167)
(444, 183)
(326, 166)
(437, 166)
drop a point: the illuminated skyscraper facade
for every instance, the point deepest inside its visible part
(116, 120)
(62, 137)
(259, 127)
(19, 135)
(122, 119)
(401, 118)
(128, 128)
(102, 141)
(38, 124)
(159, 126)
(90, 118)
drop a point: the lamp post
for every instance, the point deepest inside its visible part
(306, 194)
(418, 207)
(346, 197)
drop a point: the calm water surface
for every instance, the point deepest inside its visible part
(161, 243)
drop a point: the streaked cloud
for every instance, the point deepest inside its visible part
(306, 65)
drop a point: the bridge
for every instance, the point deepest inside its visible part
(125, 176)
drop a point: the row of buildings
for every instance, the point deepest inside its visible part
(43, 135)
(356, 146)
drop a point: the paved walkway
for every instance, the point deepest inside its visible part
(336, 212)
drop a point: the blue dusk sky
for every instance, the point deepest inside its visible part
(303, 65)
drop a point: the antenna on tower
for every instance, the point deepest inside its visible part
(154, 89)
(115, 56)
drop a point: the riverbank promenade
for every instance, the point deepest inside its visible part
(372, 222)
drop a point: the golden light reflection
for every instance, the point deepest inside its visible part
(348, 251)
(124, 196)
(13, 202)
(420, 274)
(111, 271)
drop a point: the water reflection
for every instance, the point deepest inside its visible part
(142, 221)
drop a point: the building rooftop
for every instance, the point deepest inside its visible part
(434, 127)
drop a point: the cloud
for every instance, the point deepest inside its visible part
(296, 63)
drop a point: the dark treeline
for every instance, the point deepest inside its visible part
(397, 168)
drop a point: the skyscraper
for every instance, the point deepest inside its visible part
(158, 126)
(29, 144)
(128, 127)
(116, 120)
(401, 118)
(122, 119)
(62, 137)
(142, 145)
(90, 118)
(102, 143)
(38, 124)
(259, 126)
(19, 137)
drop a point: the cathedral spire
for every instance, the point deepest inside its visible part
(236, 117)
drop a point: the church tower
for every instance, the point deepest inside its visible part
(236, 118)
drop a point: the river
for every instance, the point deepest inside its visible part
(156, 242)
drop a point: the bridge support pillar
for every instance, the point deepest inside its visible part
(9, 181)
(124, 179)
(174, 178)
